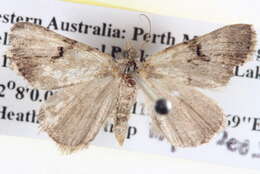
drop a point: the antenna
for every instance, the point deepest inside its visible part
(149, 31)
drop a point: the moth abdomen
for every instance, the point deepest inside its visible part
(125, 101)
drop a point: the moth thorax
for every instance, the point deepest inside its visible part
(130, 67)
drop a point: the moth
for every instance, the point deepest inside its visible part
(93, 87)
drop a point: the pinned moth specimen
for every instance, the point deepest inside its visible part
(94, 87)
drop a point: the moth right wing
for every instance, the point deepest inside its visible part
(207, 61)
(74, 115)
(50, 61)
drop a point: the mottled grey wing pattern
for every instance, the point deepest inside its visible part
(73, 116)
(49, 61)
(89, 80)
(207, 61)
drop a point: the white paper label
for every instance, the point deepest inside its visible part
(109, 30)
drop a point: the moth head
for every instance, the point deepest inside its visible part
(130, 53)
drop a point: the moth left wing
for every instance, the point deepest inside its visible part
(194, 118)
(49, 60)
(74, 115)
(207, 61)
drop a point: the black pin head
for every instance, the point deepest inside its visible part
(162, 106)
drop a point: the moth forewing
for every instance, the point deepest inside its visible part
(49, 60)
(206, 61)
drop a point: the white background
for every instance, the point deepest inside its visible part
(25, 155)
